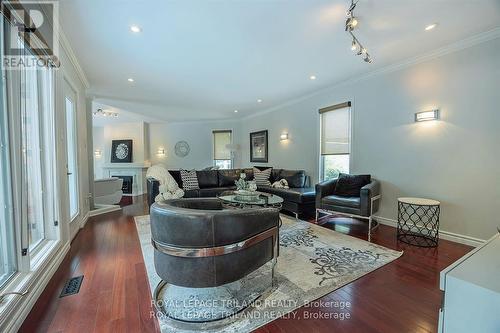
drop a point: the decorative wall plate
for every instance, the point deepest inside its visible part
(121, 151)
(182, 149)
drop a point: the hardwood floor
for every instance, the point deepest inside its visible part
(402, 296)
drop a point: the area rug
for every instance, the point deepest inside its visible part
(313, 262)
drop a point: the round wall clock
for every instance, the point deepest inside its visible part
(182, 149)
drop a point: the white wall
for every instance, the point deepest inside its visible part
(137, 132)
(455, 160)
(199, 137)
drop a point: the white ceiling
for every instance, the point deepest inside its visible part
(203, 59)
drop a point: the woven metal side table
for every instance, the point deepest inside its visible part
(418, 221)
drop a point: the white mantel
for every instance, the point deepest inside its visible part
(136, 170)
(126, 165)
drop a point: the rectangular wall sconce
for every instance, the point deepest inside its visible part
(284, 136)
(427, 115)
(160, 152)
(98, 153)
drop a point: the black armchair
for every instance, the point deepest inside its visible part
(362, 207)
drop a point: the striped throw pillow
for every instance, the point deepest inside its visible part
(261, 177)
(189, 180)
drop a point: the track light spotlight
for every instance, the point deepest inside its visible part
(354, 45)
(351, 23)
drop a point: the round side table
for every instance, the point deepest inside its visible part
(418, 221)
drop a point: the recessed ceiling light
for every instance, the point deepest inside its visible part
(130, 80)
(235, 111)
(135, 28)
(312, 77)
(430, 26)
(259, 101)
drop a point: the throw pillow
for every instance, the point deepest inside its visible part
(350, 185)
(261, 177)
(281, 184)
(189, 180)
(261, 168)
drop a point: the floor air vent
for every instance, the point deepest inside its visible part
(72, 286)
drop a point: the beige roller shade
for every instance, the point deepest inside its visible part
(336, 130)
(221, 139)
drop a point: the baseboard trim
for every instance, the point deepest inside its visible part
(37, 286)
(446, 235)
(104, 210)
(85, 219)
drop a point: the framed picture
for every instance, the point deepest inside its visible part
(121, 151)
(258, 147)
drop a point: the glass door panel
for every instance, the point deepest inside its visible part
(72, 151)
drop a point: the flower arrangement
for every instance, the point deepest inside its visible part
(243, 185)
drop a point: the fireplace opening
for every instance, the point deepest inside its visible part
(127, 183)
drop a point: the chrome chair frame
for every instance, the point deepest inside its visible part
(369, 217)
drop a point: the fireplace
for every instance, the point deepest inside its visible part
(127, 184)
(135, 172)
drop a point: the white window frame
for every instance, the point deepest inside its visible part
(351, 137)
(9, 223)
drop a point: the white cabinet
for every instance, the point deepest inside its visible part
(471, 288)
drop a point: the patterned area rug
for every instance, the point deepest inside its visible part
(313, 262)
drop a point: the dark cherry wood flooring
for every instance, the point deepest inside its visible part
(402, 296)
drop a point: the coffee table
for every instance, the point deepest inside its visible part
(233, 199)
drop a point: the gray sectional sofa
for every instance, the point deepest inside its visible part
(298, 199)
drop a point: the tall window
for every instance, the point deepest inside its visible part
(222, 154)
(7, 246)
(28, 182)
(30, 101)
(335, 145)
(37, 144)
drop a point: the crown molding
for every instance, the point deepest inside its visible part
(450, 48)
(63, 40)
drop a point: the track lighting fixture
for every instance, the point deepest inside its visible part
(101, 112)
(350, 24)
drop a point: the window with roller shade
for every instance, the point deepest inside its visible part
(335, 140)
(222, 154)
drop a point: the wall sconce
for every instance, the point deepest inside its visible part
(284, 136)
(427, 115)
(160, 152)
(98, 153)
